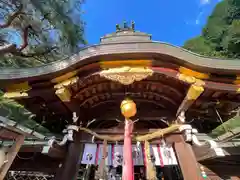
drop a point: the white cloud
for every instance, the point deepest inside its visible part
(198, 19)
(204, 2)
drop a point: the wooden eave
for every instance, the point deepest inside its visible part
(10, 130)
(130, 50)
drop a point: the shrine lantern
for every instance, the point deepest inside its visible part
(128, 108)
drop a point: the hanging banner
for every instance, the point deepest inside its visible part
(168, 156)
(137, 155)
(157, 157)
(117, 155)
(160, 155)
(108, 160)
(89, 154)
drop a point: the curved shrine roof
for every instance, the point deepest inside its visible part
(128, 45)
(162, 94)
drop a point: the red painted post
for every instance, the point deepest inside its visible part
(128, 173)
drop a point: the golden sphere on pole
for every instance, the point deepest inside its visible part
(128, 108)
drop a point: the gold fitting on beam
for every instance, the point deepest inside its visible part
(238, 90)
(237, 81)
(64, 77)
(194, 92)
(15, 95)
(190, 72)
(131, 63)
(64, 94)
(18, 87)
(66, 83)
(191, 80)
(187, 79)
(17, 90)
(62, 89)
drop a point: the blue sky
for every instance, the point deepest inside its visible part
(172, 21)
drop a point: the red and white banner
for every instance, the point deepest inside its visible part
(161, 155)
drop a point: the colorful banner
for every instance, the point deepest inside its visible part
(160, 155)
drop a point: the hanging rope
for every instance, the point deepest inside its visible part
(103, 137)
(141, 138)
(101, 173)
(150, 168)
(158, 133)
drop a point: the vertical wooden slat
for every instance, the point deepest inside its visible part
(12, 153)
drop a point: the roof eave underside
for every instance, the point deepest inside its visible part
(151, 50)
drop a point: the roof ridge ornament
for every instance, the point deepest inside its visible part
(125, 27)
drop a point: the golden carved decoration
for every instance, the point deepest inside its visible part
(15, 95)
(24, 86)
(128, 108)
(131, 63)
(19, 90)
(62, 89)
(190, 72)
(127, 75)
(64, 94)
(66, 83)
(191, 80)
(238, 90)
(194, 92)
(64, 77)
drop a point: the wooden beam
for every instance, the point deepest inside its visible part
(235, 178)
(13, 151)
(222, 169)
(69, 168)
(193, 93)
(187, 161)
(210, 174)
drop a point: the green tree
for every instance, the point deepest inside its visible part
(199, 45)
(34, 33)
(39, 32)
(220, 37)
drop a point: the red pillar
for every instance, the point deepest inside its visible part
(128, 173)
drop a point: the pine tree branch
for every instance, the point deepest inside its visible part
(7, 48)
(12, 17)
(24, 38)
(29, 55)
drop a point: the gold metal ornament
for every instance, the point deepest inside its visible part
(191, 80)
(127, 75)
(194, 92)
(128, 108)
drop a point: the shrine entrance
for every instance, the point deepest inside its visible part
(163, 158)
(134, 104)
